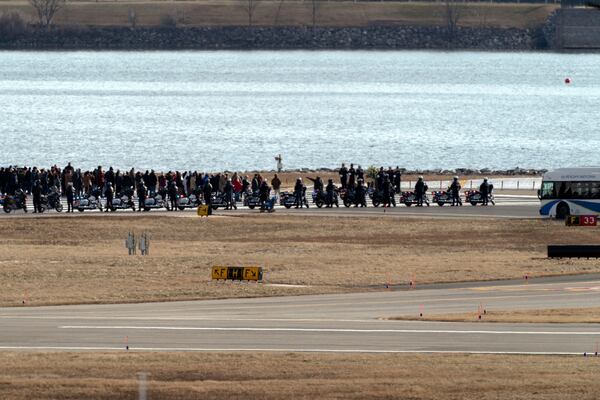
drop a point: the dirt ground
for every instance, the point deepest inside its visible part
(584, 315)
(84, 260)
(296, 375)
(289, 13)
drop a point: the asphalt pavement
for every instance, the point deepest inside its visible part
(507, 206)
(323, 323)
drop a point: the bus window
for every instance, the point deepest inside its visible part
(548, 191)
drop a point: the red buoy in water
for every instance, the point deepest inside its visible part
(567, 80)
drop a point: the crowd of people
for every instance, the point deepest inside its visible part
(74, 183)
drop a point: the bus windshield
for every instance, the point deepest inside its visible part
(548, 190)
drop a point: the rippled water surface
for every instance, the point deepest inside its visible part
(237, 110)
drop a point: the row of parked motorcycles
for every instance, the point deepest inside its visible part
(50, 201)
(158, 200)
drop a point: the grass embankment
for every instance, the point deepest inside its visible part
(84, 260)
(310, 376)
(585, 315)
(291, 13)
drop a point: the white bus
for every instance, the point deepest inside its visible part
(570, 191)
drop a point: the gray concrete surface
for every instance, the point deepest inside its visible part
(507, 206)
(328, 323)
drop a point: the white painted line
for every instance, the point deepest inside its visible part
(329, 330)
(270, 350)
(93, 318)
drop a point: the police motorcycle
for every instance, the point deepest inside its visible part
(347, 196)
(191, 201)
(442, 197)
(15, 202)
(218, 200)
(157, 201)
(51, 201)
(89, 201)
(409, 198)
(376, 197)
(123, 200)
(475, 197)
(252, 199)
(288, 199)
(320, 198)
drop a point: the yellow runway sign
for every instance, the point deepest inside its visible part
(202, 211)
(234, 273)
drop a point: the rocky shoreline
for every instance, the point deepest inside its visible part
(388, 37)
(437, 172)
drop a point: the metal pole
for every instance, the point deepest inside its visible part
(142, 385)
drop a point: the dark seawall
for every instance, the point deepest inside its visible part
(267, 38)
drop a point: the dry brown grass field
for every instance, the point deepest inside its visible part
(25, 376)
(290, 13)
(584, 315)
(84, 260)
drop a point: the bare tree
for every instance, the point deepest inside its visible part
(452, 16)
(133, 18)
(278, 12)
(46, 10)
(250, 8)
(315, 7)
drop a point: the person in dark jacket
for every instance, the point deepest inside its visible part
(351, 177)
(330, 193)
(229, 195)
(420, 189)
(455, 192)
(317, 182)
(299, 192)
(387, 192)
(484, 189)
(344, 176)
(264, 191)
(109, 193)
(397, 180)
(142, 192)
(172, 192)
(70, 193)
(207, 192)
(37, 197)
(360, 195)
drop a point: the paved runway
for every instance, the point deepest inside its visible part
(326, 323)
(507, 206)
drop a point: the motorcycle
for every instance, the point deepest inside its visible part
(16, 202)
(410, 198)
(252, 199)
(123, 200)
(321, 199)
(155, 202)
(88, 201)
(377, 198)
(474, 197)
(443, 197)
(52, 201)
(219, 199)
(191, 201)
(288, 199)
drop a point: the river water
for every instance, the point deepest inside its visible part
(237, 110)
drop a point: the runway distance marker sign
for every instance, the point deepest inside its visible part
(235, 273)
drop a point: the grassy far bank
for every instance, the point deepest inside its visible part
(585, 315)
(83, 260)
(293, 375)
(291, 13)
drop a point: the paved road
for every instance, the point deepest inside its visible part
(507, 206)
(329, 323)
